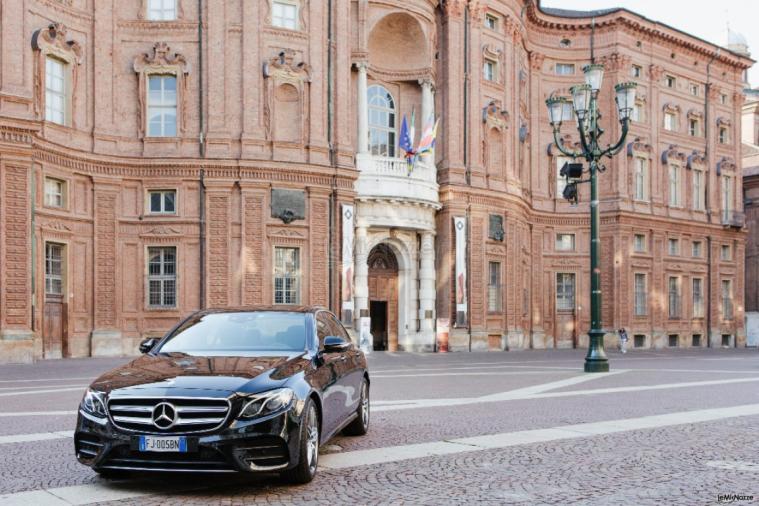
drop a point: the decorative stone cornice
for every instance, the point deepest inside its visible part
(673, 153)
(493, 116)
(638, 146)
(696, 159)
(670, 107)
(725, 164)
(723, 121)
(284, 68)
(695, 114)
(52, 40)
(566, 142)
(161, 59)
(536, 60)
(616, 61)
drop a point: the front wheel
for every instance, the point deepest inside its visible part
(305, 471)
(360, 425)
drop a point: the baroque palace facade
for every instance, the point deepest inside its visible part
(161, 156)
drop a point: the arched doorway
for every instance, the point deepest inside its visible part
(383, 297)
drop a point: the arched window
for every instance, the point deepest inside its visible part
(381, 121)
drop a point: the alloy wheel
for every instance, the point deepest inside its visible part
(312, 442)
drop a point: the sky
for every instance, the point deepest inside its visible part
(703, 18)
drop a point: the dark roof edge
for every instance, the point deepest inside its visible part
(575, 14)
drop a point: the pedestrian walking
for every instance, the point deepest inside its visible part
(623, 340)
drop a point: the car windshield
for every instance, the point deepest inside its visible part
(243, 332)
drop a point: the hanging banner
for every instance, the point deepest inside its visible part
(459, 225)
(347, 265)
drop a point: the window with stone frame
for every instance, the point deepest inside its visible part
(284, 14)
(694, 89)
(161, 10)
(670, 121)
(726, 193)
(56, 93)
(382, 132)
(673, 288)
(565, 242)
(565, 69)
(490, 70)
(675, 184)
(724, 135)
(53, 268)
(698, 297)
(638, 111)
(561, 181)
(696, 248)
(286, 275)
(673, 247)
(636, 71)
(491, 22)
(639, 243)
(641, 295)
(162, 201)
(55, 192)
(162, 277)
(670, 81)
(699, 190)
(725, 252)
(162, 106)
(694, 127)
(494, 287)
(565, 291)
(727, 299)
(640, 179)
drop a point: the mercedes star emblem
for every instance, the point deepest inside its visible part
(164, 415)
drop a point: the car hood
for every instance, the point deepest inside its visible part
(177, 372)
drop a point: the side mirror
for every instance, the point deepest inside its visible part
(335, 344)
(147, 344)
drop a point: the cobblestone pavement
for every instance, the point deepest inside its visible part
(420, 401)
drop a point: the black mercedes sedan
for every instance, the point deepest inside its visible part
(251, 390)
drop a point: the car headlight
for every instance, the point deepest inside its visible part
(93, 403)
(267, 403)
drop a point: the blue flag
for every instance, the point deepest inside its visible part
(405, 139)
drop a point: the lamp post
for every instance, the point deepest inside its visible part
(584, 108)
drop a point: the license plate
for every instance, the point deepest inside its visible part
(163, 444)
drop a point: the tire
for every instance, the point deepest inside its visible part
(360, 425)
(308, 460)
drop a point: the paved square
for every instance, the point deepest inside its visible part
(666, 427)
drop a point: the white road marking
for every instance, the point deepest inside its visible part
(474, 367)
(504, 440)
(489, 373)
(37, 386)
(734, 465)
(45, 391)
(38, 413)
(529, 393)
(42, 436)
(47, 379)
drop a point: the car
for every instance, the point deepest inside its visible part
(224, 391)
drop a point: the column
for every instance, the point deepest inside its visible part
(361, 283)
(427, 288)
(428, 110)
(363, 113)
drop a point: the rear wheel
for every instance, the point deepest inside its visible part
(305, 471)
(360, 425)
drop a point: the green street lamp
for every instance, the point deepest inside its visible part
(584, 109)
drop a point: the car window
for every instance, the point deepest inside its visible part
(238, 333)
(322, 328)
(337, 328)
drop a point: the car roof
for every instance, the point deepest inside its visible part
(277, 308)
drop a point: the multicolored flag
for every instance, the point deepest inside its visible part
(427, 142)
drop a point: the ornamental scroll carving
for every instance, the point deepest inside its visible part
(697, 159)
(161, 60)
(286, 95)
(493, 116)
(673, 153)
(52, 41)
(566, 142)
(638, 146)
(725, 164)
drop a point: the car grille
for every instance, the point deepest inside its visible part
(88, 446)
(193, 414)
(206, 459)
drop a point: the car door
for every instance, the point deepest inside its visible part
(332, 413)
(347, 369)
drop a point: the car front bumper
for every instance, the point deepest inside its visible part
(265, 445)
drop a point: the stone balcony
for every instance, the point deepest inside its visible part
(386, 178)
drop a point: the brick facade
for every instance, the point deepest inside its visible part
(273, 108)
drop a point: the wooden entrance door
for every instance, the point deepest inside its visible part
(54, 314)
(383, 288)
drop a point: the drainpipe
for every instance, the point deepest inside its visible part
(34, 251)
(332, 158)
(707, 202)
(202, 199)
(466, 100)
